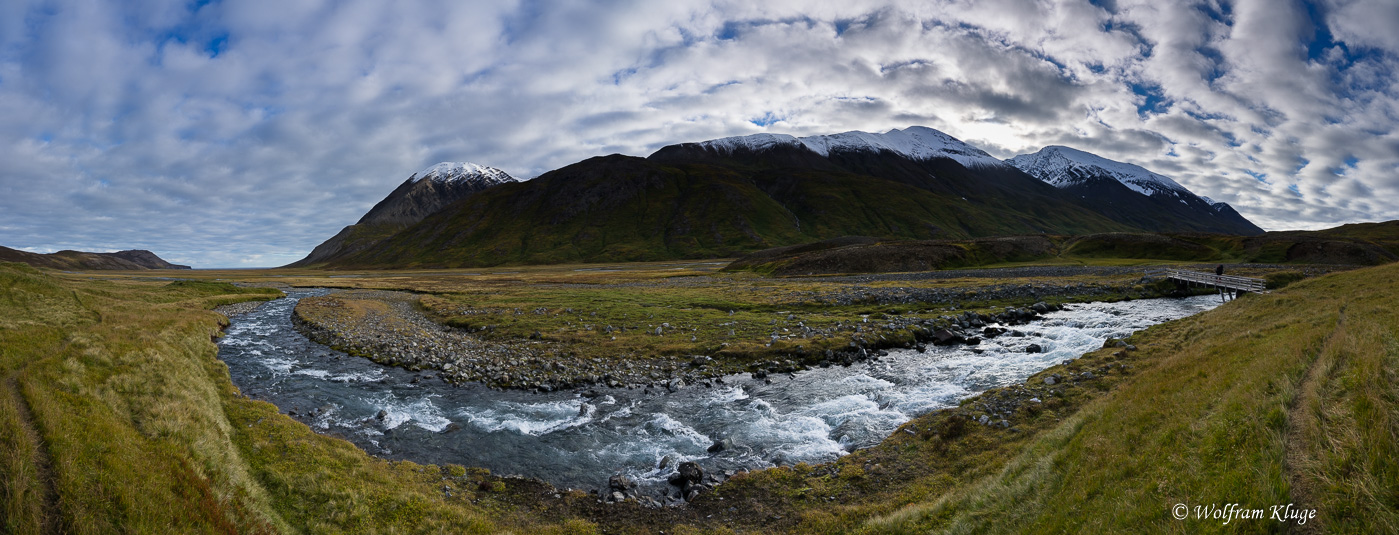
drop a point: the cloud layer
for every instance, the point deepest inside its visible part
(244, 133)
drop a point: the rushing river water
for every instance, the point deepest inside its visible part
(573, 441)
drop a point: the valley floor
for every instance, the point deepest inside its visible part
(117, 414)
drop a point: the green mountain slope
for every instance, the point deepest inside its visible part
(620, 208)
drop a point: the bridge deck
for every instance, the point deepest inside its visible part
(1227, 282)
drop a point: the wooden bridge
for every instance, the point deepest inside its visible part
(1230, 284)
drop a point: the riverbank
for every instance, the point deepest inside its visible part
(621, 331)
(1273, 399)
(389, 328)
(578, 439)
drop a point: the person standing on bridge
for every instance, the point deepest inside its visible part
(1219, 271)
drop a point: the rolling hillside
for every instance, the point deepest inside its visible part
(78, 260)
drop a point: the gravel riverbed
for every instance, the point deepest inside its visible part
(400, 335)
(403, 336)
(237, 309)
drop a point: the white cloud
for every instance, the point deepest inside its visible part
(249, 131)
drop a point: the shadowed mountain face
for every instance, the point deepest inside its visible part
(731, 196)
(685, 203)
(77, 260)
(421, 195)
(1130, 194)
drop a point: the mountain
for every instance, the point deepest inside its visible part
(731, 196)
(423, 194)
(78, 260)
(1131, 194)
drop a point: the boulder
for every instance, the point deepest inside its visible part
(619, 482)
(687, 473)
(945, 337)
(721, 445)
(1034, 348)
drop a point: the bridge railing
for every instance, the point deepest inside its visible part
(1248, 284)
(1155, 273)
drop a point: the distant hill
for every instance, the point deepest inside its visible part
(421, 195)
(732, 196)
(1361, 244)
(77, 260)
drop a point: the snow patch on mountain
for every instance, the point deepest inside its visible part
(1062, 167)
(1217, 205)
(914, 143)
(755, 143)
(458, 171)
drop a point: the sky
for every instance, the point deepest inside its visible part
(243, 133)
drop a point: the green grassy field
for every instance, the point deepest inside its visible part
(117, 415)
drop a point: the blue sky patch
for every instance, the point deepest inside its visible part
(217, 45)
(1153, 101)
(766, 119)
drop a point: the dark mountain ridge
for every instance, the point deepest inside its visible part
(135, 259)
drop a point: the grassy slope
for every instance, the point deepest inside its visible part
(118, 385)
(1274, 399)
(1286, 398)
(1384, 234)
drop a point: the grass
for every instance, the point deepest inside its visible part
(1276, 399)
(1271, 399)
(144, 432)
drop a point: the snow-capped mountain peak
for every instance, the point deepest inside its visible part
(456, 171)
(1062, 166)
(914, 143)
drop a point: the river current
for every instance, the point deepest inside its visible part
(576, 442)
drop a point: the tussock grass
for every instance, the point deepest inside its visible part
(21, 487)
(144, 431)
(1285, 398)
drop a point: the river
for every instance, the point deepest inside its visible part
(574, 441)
